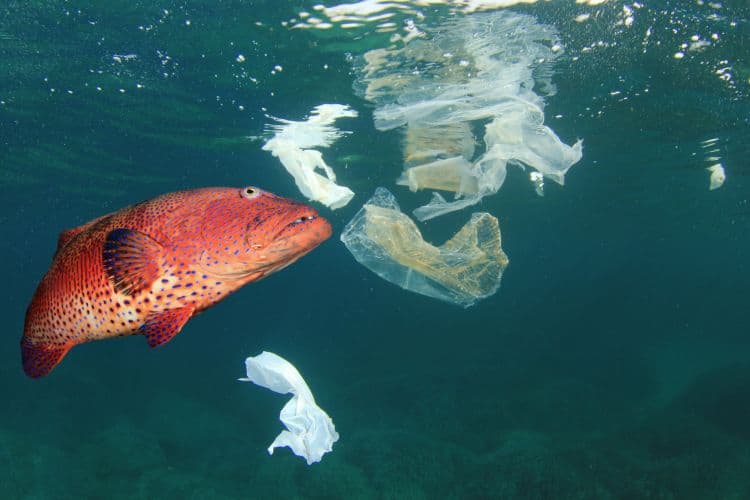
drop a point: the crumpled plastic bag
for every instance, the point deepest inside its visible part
(464, 269)
(293, 144)
(492, 70)
(310, 431)
(519, 137)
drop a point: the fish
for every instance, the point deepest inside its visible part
(148, 268)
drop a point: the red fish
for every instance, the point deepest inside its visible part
(148, 268)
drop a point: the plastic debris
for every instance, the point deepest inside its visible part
(718, 176)
(485, 69)
(466, 268)
(293, 145)
(537, 180)
(310, 431)
(452, 174)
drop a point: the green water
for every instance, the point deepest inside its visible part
(612, 363)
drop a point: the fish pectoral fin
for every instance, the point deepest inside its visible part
(131, 260)
(160, 327)
(40, 358)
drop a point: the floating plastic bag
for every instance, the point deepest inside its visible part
(466, 268)
(424, 144)
(292, 144)
(310, 431)
(490, 70)
(452, 174)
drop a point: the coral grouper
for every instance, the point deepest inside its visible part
(148, 268)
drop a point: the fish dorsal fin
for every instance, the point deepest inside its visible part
(161, 326)
(66, 236)
(131, 260)
(69, 234)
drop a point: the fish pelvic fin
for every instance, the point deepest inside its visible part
(161, 326)
(39, 359)
(131, 260)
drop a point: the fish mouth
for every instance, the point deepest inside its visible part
(307, 218)
(300, 236)
(292, 241)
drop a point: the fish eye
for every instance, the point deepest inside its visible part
(249, 192)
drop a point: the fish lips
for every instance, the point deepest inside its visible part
(307, 226)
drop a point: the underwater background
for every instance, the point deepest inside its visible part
(612, 363)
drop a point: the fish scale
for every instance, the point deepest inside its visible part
(148, 268)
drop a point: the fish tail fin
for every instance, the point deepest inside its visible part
(39, 359)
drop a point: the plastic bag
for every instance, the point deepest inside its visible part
(292, 144)
(492, 70)
(310, 431)
(466, 268)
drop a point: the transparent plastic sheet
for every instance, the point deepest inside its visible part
(466, 268)
(293, 144)
(429, 144)
(310, 431)
(521, 137)
(489, 173)
(488, 70)
(452, 174)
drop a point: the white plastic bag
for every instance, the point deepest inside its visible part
(310, 431)
(293, 144)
